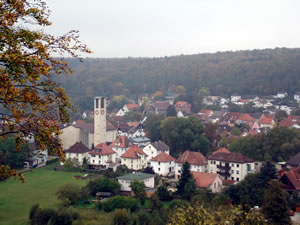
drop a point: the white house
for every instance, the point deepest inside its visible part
(102, 156)
(235, 98)
(78, 152)
(155, 148)
(197, 161)
(120, 146)
(297, 96)
(163, 164)
(137, 131)
(134, 158)
(208, 181)
(281, 95)
(126, 180)
(126, 108)
(230, 165)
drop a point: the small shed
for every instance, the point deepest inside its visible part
(103, 195)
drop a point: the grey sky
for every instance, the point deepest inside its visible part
(154, 28)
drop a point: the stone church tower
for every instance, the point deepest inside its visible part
(99, 120)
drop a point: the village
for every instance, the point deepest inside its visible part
(102, 146)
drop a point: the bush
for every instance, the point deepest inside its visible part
(121, 217)
(120, 202)
(69, 194)
(104, 184)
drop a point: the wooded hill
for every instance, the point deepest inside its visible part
(259, 72)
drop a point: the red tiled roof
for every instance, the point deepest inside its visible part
(132, 106)
(102, 149)
(195, 158)
(294, 177)
(286, 123)
(120, 142)
(246, 117)
(206, 112)
(133, 152)
(230, 157)
(266, 120)
(181, 104)
(225, 150)
(203, 180)
(78, 147)
(163, 157)
(161, 105)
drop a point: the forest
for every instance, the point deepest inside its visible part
(259, 72)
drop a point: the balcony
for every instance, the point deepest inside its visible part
(226, 167)
(224, 174)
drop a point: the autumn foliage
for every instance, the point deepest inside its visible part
(32, 104)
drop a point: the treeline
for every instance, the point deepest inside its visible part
(260, 72)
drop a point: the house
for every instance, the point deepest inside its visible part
(102, 156)
(163, 164)
(206, 112)
(126, 180)
(140, 141)
(134, 158)
(208, 181)
(211, 100)
(78, 152)
(266, 122)
(294, 161)
(137, 131)
(197, 161)
(297, 96)
(126, 108)
(281, 95)
(155, 148)
(235, 98)
(230, 165)
(120, 146)
(290, 180)
(161, 107)
(183, 107)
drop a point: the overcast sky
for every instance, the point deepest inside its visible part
(155, 28)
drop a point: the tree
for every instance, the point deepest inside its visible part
(138, 188)
(69, 194)
(121, 217)
(171, 111)
(186, 185)
(104, 184)
(158, 95)
(180, 89)
(267, 173)
(279, 116)
(275, 206)
(32, 103)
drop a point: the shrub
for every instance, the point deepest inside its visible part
(69, 194)
(121, 217)
(104, 184)
(120, 202)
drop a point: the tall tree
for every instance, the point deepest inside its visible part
(267, 173)
(171, 111)
(32, 103)
(138, 188)
(275, 206)
(186, 185)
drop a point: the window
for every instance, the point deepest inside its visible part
(97, 103)
(132, 161)
(158, 163)
(249, 167)
(158, 169)
(237, 179)
(232, 171)
(170, 163)
(102, 103)
(214, 185)
(232, 178)
(232, 164)
(237, 165)
(237, 172)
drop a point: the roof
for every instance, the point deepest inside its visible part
(206, 112)
(181, 104)
(89, 127)
(120, 142)
(140, 139)
(203, 180)
(295, 160)
(78, 147)
(160, 146)
(266, 120)
(245, 117)
(230, 157)
(133, 152)
(163, 157)
(160, 105)
(286, 123)
(195, 158)
(136, 176)
(131, 106)
(225, 150)
(294, 177)
(102, 149)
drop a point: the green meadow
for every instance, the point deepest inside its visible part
(40, 186)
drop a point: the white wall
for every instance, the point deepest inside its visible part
(79, 156)
(69, 136)
(163, 168)
(196, 168)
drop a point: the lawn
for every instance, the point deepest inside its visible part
(40, 186)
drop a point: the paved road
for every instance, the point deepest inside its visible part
(296, 218)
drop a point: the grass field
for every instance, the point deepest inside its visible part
(40, 186)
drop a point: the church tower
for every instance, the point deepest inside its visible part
(99, 120)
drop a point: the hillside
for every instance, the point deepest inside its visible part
(260, 72)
